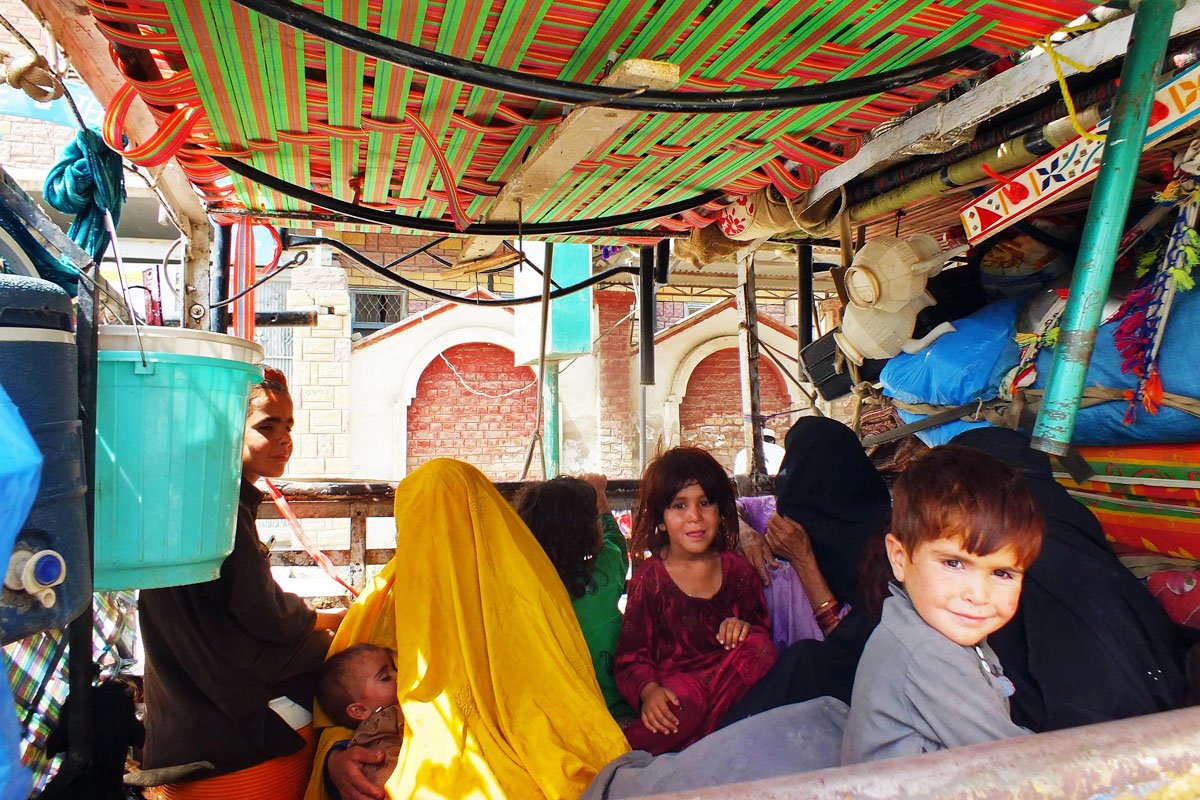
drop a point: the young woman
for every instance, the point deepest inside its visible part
(221, 654)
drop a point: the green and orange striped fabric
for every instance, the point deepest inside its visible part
(324, 117)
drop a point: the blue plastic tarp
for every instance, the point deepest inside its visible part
(20, 473)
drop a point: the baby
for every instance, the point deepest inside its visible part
(357, 689)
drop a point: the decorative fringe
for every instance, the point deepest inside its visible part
(1166, 268)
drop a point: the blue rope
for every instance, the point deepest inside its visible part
(86, 180)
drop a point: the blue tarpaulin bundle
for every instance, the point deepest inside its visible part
(961, 367)
(20, 473)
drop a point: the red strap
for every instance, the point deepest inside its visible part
(322, 560)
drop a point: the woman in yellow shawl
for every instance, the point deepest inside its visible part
(494, 679)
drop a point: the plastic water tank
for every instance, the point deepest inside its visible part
(47, 578)
(170, 412)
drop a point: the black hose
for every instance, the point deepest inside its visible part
(647, 314)
(1030, 127)
(302, 241)
(395, 262)
(669, 102)
(430, 225)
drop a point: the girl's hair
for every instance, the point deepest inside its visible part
(273, 382)
(561, 512)
(664, 477)
(961, 492)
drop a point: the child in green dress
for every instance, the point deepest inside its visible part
(571, 520)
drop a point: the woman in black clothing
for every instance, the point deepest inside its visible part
(833, 511)
(1088, 643)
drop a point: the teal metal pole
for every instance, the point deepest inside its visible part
(551, 438)
(1105, 222)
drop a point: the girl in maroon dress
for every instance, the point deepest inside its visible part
(696, 634)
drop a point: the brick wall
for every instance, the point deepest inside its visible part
(27, 143)
(615, 413)
(384, 248)
(445, 419)
(30, 143)
(710, 415)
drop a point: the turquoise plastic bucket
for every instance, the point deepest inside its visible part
(168, 453)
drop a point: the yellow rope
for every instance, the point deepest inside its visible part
(1056, 61)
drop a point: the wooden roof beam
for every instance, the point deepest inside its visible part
(76, 32)
(585, 131)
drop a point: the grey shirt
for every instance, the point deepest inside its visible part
(916, 691)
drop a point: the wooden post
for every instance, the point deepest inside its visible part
(748, 362)
(358, 547)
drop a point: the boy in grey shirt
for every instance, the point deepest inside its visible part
(964, 529)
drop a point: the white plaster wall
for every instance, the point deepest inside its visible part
(577, 390)
(383, 382)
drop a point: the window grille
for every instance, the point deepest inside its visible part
(377, 308)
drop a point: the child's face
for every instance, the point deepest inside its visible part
(692, 520)
(962, 596)
(268, 442)
(376, 677)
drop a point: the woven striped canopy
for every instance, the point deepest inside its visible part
(226, 81)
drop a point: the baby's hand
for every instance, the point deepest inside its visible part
(733, 632)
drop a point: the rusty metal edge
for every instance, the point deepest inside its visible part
(1096, 761)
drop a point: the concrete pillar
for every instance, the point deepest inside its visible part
(321, 370)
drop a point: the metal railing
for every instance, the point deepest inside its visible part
(1150, 758)
(358, 500)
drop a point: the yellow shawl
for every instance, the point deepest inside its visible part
(495, 681)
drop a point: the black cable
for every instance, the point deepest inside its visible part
(429, 225)
(429, 62)
(300, 258)
(302, 241)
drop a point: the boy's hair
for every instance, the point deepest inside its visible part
(273, 382)
(664, 477)
(967, 494)
(335, 687)
(561, 512)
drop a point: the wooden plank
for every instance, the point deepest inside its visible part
(1008, 89)
(88, 51)
(585, 131)
(358, 547)
(373, 557)
(747, 307)
(325, 509)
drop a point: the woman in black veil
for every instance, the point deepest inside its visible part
(833, 510)
(1088, 643)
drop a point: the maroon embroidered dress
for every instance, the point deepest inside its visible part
(670, 638)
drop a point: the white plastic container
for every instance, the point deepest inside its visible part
(888, 273)
(872, 333)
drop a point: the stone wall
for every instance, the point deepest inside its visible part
(321, 371)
